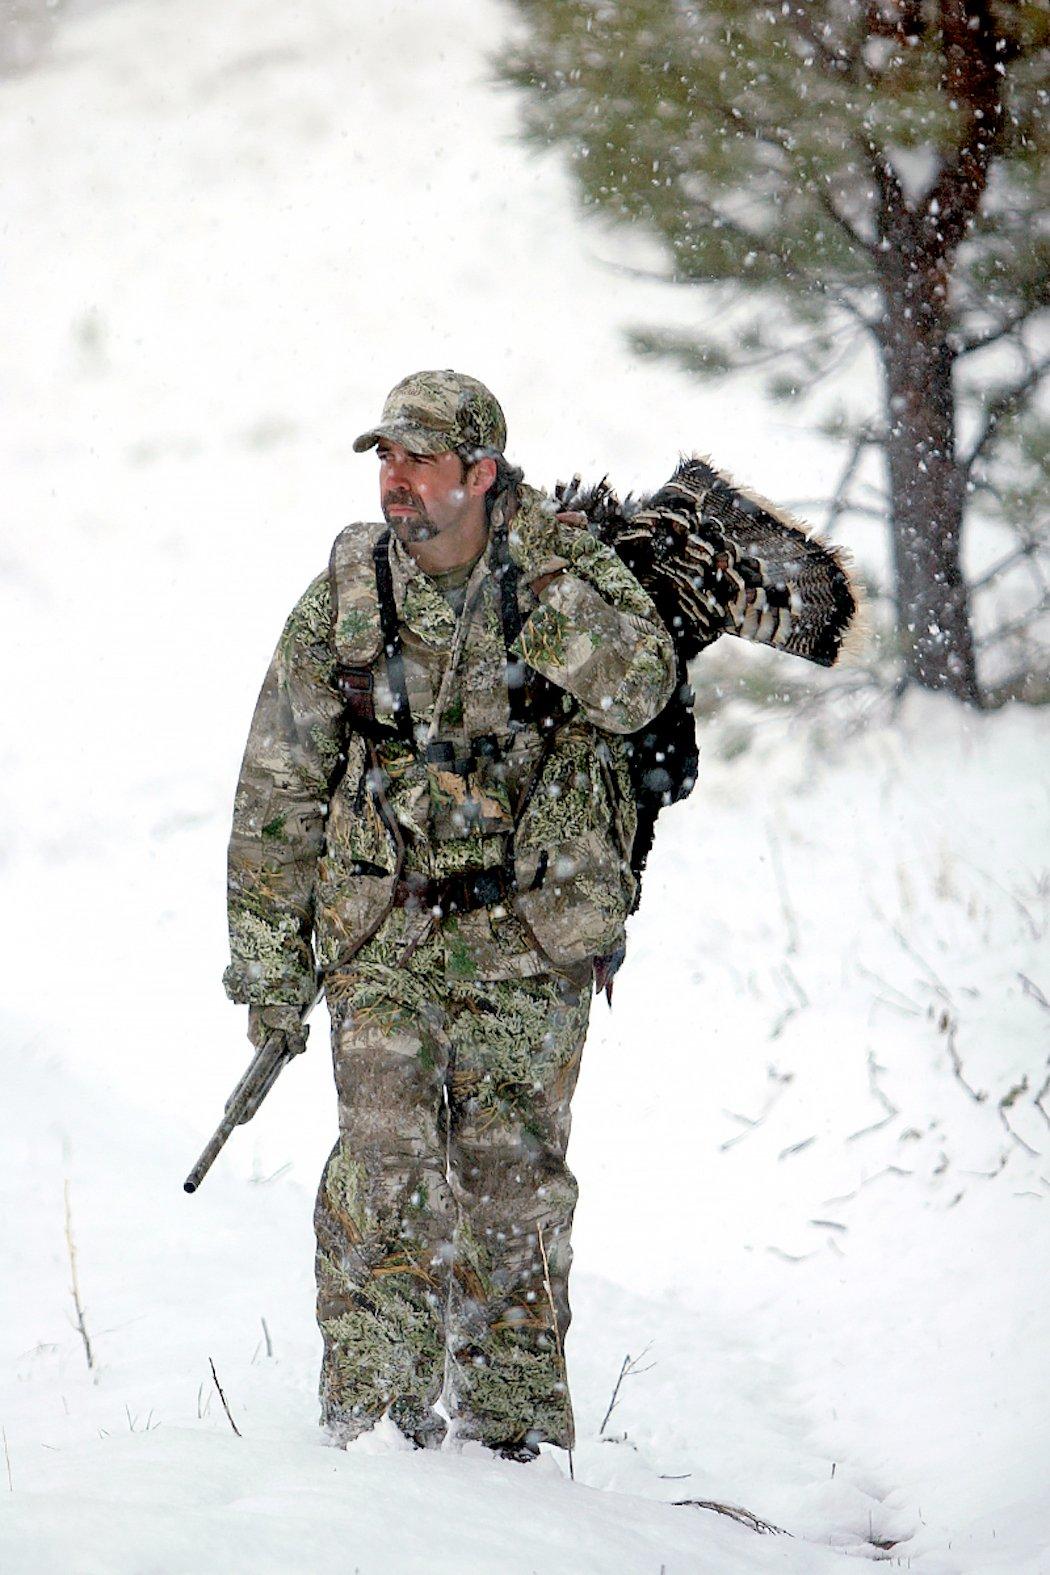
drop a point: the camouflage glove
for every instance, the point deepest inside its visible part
(265, 1020)
(534, 537)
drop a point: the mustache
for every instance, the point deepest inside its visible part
(418, 529)
(402, 497)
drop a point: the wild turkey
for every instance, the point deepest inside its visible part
(716, 560)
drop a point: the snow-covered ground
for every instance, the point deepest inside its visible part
(811, 1153)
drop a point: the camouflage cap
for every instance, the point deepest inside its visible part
(431, 412)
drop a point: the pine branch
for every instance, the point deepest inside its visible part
(1016, 625)
(1005, 405)
(836, 64)
(773, 136)
(993, 336)
(839, 502)
(1025, 551)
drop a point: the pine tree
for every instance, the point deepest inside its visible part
(848, 168)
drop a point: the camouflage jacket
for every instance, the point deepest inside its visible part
(324, 821)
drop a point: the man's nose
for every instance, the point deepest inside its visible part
(395, 472)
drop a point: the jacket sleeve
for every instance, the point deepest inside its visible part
(597, 635)
(279, 813)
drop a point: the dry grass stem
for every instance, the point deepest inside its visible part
(743, 1516)
(7, 1458)
(1031, 988)
(75, 1286)
(222, 1397)
(628, 1368)
(786, 906)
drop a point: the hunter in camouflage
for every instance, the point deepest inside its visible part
(434, 818)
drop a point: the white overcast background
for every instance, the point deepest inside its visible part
(814, 1169)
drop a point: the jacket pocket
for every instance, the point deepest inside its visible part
(358, 869)
(576, 817)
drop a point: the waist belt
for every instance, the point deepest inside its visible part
(463, 892)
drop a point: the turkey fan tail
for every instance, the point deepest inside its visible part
(775, 583)
(717, 559)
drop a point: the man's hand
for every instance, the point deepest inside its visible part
(533, 540)
(286, 1020)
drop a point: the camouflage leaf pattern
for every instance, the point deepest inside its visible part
(279, 813)
(596, 633)
(454, 1119)
(310, 866)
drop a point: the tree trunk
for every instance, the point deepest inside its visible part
(915, 253)
(926, 498)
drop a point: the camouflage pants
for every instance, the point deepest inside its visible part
(445, 1192)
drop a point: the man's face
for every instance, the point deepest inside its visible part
(422, 494)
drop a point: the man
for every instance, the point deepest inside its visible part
(434, 811)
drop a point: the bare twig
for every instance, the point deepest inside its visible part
(937, 983)
(75, 1285)
(1006, 404)
(789, 974)
(796, 1148)
(949, 1026)
(789, 1257)
(782, 1079)
(222, 1397)
(1017, 625)
(990, 1175)
(557, 1330)
(977, 342)
(1031, 988)
(7, 1458)
(266, 1336)
(887, 1170)
(1007, 1102)
(891, 1109)
(908, 1004)
(1038, 1100)
(628, 1369)
(1028, 550)
(839, 503)
(790, 917)
(743, 1516)
(1014, 898)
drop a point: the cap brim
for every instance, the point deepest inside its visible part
(417, 440)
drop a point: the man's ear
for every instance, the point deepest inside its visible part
(480, 476)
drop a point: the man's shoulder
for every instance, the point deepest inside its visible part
(353, 609)
(310, 620)
(360, 533)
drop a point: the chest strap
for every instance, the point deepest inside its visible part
(388, 624)
(530, 698)
(508, 576)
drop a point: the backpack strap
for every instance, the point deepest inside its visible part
(395, 660)
(365, 624)
(508, 577)
(531, 697)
